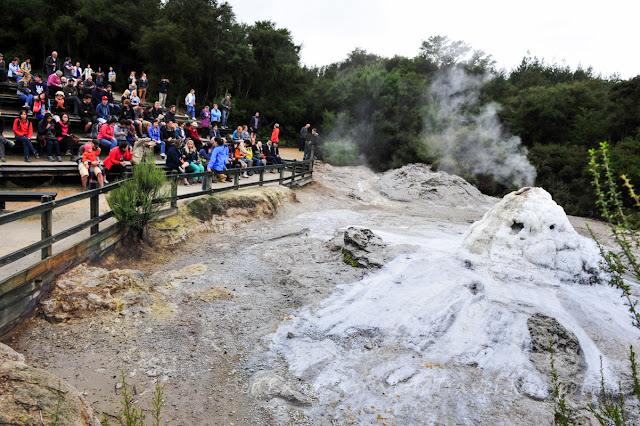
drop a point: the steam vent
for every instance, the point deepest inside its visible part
(527, 225)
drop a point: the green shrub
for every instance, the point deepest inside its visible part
(340, 152)
(132, 203)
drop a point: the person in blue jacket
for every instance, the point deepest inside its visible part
(219, 158)
(154, 134)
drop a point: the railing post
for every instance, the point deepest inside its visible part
(311, 160)
(281, 174)
(236, 178)
(261, 177)
(293, 172)
(174, 194)
(46, 226)
(94, 207)
(208, 181)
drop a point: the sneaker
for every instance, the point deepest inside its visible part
(187, 184)
(163, 156)
(50, 158)
(27, 159)
(68, 153)
(246, 176)
(12, 143)
(3, 160)
(35, 154)
(59, 159)
(105, 181)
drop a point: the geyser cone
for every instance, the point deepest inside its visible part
(527, 225)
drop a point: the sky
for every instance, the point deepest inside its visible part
(602, 35)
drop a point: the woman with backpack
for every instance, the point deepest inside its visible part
(23, 130)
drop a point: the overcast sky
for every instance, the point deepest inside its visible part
(601, 34)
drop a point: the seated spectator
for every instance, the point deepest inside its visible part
(47, 138)
(90, 163)
(14, 70)
(245, 133)
(38, 86)
(205, 121)
(105, 135)
(89, 85)
(156, 110)
(64, 135)
(269, 154)
(108, 92)
(215, 133)
(237, 134)
(193, 134)
(97, 94)
(71, 97)
(218, 159)
(170, 115)
(23, 130)
(41, 105)
(148, 114)
(103, 110)
(126, 95)
(121, 131)
(3, 141)
(205, 153)
(139, 121)
(135, 100)
(25, 67)
(54, 83)
(168, 134)
(190, 155)
(59, 107)
(87, 113)
(132, 135)
(141, 148)
(258, 153)
(241, 154)
(24, 92)
(175, 160)
(154, 134)
(116, 160)
(126, 111)
(180, 133)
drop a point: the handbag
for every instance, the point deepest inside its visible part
(74, 138)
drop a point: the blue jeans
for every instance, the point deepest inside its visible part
(28, 99)
(107, 144)
(191, 109)
(225, 116)
(27, 145)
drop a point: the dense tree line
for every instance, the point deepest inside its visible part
(383, 111)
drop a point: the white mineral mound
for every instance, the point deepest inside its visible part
(528, 225)
(454, 333)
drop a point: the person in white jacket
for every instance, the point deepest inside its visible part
(190, 102)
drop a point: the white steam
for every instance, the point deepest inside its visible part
(469, 138)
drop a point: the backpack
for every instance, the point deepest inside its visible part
(95, 129)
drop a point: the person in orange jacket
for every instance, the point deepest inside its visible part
(275, 135)
(23, 129)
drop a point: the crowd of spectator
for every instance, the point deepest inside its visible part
(128, 130)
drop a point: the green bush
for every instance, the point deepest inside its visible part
(340, 152)
(132, 203)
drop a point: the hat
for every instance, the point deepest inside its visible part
(194, 124)
(99, 84)
(59, 93)
(104, 98)
(108, 85)
(1, 55)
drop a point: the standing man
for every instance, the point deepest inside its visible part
(254, 123)
(3, 69)
(67, 68)
(226, 107)
(52, 63)
(190, 102)
(163, 88)
(312, 144)
(304, 132)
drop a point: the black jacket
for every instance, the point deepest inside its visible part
(173, 157)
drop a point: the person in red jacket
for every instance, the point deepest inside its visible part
(275, 135)
(105, 135)
(193, 134)
(23, 129)
(115, 161)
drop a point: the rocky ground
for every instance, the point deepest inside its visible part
(196, 310)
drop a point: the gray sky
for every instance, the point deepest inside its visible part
(599, 34)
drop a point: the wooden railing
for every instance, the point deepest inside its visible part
(20, 292)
